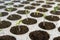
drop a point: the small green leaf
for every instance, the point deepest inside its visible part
(18, 22)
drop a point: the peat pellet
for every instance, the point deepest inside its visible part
(1, 7)
(39, 35)
(19, 30)
(52, 18)
(35, 4)
(18, 5)
(57, 38)
(47, 25)
(25, 2)
(42, 9)
(39, 1)
(14, 17)
(10, 9)
(3, 14)
(50, 3)
(36, 15)
(22, 12)
(59, 29)
(4, 24)
(46, 6)
(29, 21)
(29, 7)
(16, 1)
(30, 0)
(7, 37)
(55, 12)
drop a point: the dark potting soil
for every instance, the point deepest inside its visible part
(57, 0)
(52, 18)
(55, 13)
(50, 3)
(19, 30)
(1, 7)
(57, 38)
(29, 7)
(47, 25)
(42, 9)
(40, 1)
(4, 24)
(25, 2)
(59, 29)
(35, 4)
(29, 21)
(14, 17)
(34, 14)
(39, 35)
(9, 3)
(30, 0)
(1, 2)
(10, 9)
(15, 1)
(18, 5)
(22, 12)
(3, 14)
(49, 0)
(7, 37)
(47, 6)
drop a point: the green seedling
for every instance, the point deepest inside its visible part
(37, 12)
(44, 19)
(55, 8)
(17, 23)
(9, 9)
(26, 11)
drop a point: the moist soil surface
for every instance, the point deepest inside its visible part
(29, 7)
(4, 24)
(57, 38)
(22, 12)
(40, 1)
(10, 9)
(47, 25)
(30, 0)
(50, 3)
(14, 17)
(39, 35)
(18, 5)
(19, 30)
(35, 4)
(15, 1)
(1, 7)
(52, 18)
(34, 14)
(55, 13)
(57, 0)
(3, 14)
(7, 37)
(47, 6)
(29, 21)
(42, 10)
(25, 2)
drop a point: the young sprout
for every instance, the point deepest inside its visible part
(44, 19)
(9, 9)
(37, 12)
(55, 8)
(26, 11)
(17, 23)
